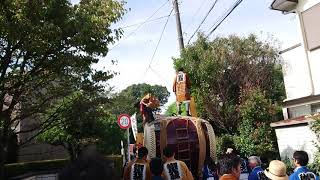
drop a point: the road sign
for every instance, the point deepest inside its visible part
(124, 121)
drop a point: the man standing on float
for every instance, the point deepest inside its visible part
(181, 87)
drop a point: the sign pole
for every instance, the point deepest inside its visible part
(128, 137)
(124, 122)
(123, 154)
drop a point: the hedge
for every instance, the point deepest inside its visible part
(18, 169)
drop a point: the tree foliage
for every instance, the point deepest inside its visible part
(46, 52)
(256, 137)
(315, 166)
(123, 102)
(221, 68)
(172, 109)
(132, 94)
(84, 120)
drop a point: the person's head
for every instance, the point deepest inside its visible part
(276, 171)
(180, 69)
(156, 166)
(254, 161)
(137, 105)
(142, 153)
(300, 158)
(230, 164)
(210, 163)
(168, 152)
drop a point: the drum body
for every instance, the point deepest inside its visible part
(192, 139)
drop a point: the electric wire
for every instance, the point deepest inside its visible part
(207, 14)
(135, 30)
(222, 18)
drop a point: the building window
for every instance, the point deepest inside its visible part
(298, 111)
(315, 108)
(310, 20)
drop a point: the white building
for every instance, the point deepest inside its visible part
(301, 70)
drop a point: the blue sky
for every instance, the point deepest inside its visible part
(134, 53)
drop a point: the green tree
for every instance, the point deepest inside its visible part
(46, 51)
(126, 99)
(123, 102)
(315, 166)
(256, 137)
(172, 109)
(221, 68)
(84, 120)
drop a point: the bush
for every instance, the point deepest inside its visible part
(223, 142)
(289, 165)
(17, 169)
(315, 166)
(256, 137)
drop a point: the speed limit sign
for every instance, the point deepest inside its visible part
(124, 121)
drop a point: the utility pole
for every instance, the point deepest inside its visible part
(178, 22)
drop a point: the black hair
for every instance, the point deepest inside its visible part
(180, 69)
(156, 166)
(210, 163)
(301, 157)
(168, 152)
(229, 162)
(143, 151)
(137, 104)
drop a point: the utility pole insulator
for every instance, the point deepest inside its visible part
(178, 22)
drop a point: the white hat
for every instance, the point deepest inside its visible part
(276, 171)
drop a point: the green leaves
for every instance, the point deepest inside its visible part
(315, 126)
(256, 137)
(47, 49)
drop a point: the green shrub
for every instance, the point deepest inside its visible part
(289, 165)
(315, 126)
(223, 142)
(17, 169)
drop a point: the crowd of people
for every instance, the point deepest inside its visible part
(229, 167)
(156, 169)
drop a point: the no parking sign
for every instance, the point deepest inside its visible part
(124, 121)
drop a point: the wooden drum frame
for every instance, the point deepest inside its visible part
(192, 140)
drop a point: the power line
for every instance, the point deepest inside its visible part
(195, 14)
(213, 5)
(156, 49)
(222, 18)
(140, 25)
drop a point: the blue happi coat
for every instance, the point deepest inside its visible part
(255, 173)
(303, 173)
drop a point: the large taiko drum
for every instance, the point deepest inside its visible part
(192, 139)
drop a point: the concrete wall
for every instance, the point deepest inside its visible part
(41, 151)
(292, 138)
(35, 150)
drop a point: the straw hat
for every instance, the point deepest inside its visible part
(276, 171)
